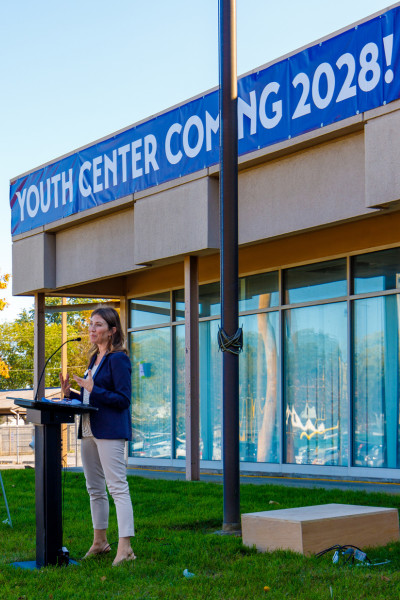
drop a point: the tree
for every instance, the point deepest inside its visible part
(17, 346)
(78, 318)
(4, 368)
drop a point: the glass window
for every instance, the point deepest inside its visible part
(259, 389)
(376, 382)
(210, 391)
(209, 304)
(377, 271)
(150, 310)
(179, 305)
(318, 281)
(315, 393)
(315, 385)
(151, 390)
(209, 299)
(180, 409)
(259, 291)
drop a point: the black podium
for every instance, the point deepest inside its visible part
(48, 417)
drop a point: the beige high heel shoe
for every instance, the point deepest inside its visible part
(104, 550)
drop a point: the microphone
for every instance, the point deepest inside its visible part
(78, 339)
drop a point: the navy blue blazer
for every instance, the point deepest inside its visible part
(111, 394)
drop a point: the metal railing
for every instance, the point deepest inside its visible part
(16, 445)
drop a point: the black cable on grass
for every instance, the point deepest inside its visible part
(350, 553)
(339, 548)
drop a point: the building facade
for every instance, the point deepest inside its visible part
(319, 295)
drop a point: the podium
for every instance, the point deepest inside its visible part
(47, 418)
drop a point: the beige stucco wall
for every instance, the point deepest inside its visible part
(178, 221)
(321, 185)
(95, 250)
(33, 263)
(382, 159)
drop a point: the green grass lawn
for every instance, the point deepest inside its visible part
(175, 524)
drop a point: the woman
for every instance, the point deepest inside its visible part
(107, 386)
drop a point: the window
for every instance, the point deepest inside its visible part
(315, 385)
(259, 291)
(210, 391)
(151, 388)
(179, 392)
(318, 281)
(377, 271)
(151, 310)
(295, 391)
(259, 389)
(376, 382)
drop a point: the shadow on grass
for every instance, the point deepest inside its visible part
(206, 525)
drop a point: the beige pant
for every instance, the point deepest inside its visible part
(104, 463)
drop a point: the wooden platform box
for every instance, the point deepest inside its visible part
(310, 529)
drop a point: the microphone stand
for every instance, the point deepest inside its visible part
(78, 339)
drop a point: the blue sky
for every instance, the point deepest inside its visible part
(73, 71)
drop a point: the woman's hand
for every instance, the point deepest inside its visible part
(65, 385)
(87, 383)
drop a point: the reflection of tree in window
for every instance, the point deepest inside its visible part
(151, 410)
(315, 390)
(376, 381)
(267, 427)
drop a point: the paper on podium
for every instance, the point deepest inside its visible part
(65, 402)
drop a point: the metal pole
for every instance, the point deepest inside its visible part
(229, 260)
(5, 500)
(64, 370)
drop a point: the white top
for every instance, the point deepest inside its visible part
(86, 429)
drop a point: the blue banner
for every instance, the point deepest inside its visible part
(341, 77)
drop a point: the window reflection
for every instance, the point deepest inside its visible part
(315, 385)
(150, 310)
(318, 281)
(252, 291)
(179, 305)
(151, 389)
(258, 386)
(377, 271)
(255, 289)
(210, 391)
(179, 388)
(376, 381)
(209, 299)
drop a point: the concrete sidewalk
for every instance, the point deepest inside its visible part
(257, 479)
(385, 487)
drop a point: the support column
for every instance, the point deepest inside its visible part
(123, 315)
(39, 345)
(192, 413)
